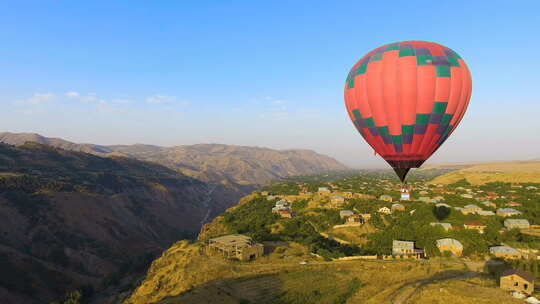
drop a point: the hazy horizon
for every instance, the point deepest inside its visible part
(228, 73)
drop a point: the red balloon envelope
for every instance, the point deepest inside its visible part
(406, 98)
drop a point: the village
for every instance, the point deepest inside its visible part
(379, 219)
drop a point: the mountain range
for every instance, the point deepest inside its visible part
(238, 165)
(91, 217)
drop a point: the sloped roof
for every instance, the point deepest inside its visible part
(516, 222)
(503, 250)
(510, 210)
(525, 275)
(486, 212)
(402, 244)
(449, 242)
(475, 223)
(444, 225)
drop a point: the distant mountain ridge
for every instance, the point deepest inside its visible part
(208, 162)
(18, 139)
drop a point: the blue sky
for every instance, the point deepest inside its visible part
(258, 73)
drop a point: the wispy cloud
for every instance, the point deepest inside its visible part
(166, 99)
(90, 98)
(39, 98)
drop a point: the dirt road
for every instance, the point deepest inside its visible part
(405, 292)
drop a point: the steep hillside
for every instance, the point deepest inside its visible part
(70, 220)
(482, 173)
(234, 166)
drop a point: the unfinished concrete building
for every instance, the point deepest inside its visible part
(236, 246)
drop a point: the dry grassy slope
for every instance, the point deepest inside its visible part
(481, 173)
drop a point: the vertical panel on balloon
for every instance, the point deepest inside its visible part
(374, 88)
(408, 92)
(424, 104)
(390, 97)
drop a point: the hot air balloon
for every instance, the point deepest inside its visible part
(406, 98)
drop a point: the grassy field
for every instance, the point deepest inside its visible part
(475, 290)
(353, 235)
(479, 174)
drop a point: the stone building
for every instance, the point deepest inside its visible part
(517, 280)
